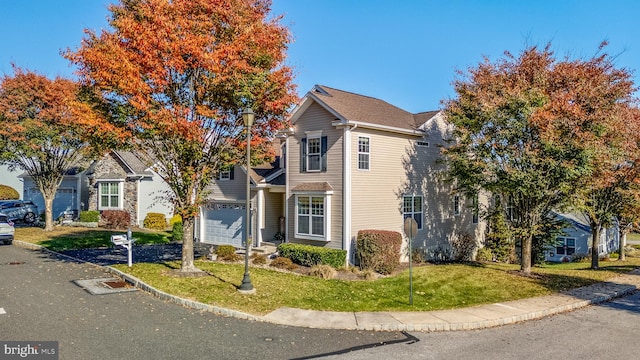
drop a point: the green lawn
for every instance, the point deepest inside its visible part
(68, 238)
(435, 286)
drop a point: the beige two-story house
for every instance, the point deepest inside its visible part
(355, 162)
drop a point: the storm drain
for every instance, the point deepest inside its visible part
(105, 286)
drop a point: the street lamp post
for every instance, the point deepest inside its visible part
(246, 286)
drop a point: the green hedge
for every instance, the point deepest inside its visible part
(89, 216)
(309, 255)
(177, 231)
(379, 250)
(155, 221)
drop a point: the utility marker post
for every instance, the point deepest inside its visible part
(410, 229)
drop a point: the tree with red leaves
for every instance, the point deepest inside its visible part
(45, 129)
(179, 73)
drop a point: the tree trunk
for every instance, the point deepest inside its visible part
(622, 243)
(48, 212)
(525, 261)
(595, 245)
(187, 245)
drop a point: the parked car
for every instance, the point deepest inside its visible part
(18, 210)
(6, 229)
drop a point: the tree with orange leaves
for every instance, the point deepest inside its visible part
(45, 127)
(540, 133)
(178, 74)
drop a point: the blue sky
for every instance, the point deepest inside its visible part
(404, 52)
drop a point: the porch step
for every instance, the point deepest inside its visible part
(265, 248)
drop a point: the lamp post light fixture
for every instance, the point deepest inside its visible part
(246, 286)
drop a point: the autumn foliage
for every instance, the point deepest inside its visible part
(177, 75)
(541, 133)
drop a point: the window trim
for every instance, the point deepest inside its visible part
(367, 153)
(413, 213)
(120, 195)
(326, 198)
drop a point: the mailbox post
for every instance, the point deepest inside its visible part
(410, 229)
(126, 241)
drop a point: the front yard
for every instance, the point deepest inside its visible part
(435, 286)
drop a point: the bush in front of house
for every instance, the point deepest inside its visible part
(309, 255)
(177, 231)
(379, 250)
(116, 219)
(175, 219)
(283, 263)
(89, 216)
(155, 221)
(227, 253)
(8, 193)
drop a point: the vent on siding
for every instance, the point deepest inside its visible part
(422, 143)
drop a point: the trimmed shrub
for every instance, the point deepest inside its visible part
(227, 253)
(379, 250)
(175, 219)
(463, 246)
(155, 221)
(177, 231)
(8, 193)
(283, 263)
(116, 219)
(309, 255)
(89, 216)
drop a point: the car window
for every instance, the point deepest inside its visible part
(3, 218)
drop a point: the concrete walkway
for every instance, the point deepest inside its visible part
(476, 317)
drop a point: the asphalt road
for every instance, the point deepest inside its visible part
(39, 301)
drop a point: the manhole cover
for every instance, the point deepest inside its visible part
(105, 286)
(116, 284)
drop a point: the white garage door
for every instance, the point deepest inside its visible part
(224, 224)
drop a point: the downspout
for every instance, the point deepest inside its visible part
(287, 191)
(346, 211)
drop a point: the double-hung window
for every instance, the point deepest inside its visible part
(110, 195)
(312, 216)
(456, 205)
(363, 152)
(412, 207)
(313, 152)
(226, 173)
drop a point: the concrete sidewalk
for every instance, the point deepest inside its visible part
(476, 317)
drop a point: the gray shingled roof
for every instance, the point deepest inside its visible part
(355, 107)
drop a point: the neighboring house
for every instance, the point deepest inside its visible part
(355, 162)
(577, 239)
(120, 180)
(69, 196)
(222, 218)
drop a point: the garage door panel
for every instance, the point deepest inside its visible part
(224, 224)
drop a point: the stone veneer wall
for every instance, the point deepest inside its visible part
(110, 167)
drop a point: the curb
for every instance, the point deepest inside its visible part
(596, 298)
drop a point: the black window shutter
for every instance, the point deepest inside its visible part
(231, 172)
(303, 155)
(323, 152)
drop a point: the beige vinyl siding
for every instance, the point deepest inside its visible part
(317, 118)
(229, 190)
(398, 167)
